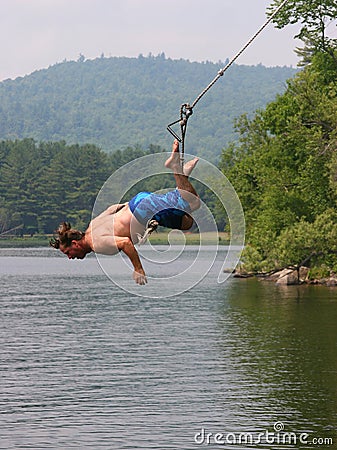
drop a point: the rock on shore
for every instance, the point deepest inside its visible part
(288, 277)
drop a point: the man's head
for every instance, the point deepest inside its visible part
(71, 242)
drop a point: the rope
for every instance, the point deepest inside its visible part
(186, 110)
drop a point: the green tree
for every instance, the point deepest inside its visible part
(19, 180)
(284, 166)
(71, 183)
(314, 17)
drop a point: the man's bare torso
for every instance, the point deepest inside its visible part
(110, 224)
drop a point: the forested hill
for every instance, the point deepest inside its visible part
(120, 102)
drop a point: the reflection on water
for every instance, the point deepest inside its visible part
(85, 365)
(287, 351)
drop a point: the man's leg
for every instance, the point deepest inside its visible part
(181, 175)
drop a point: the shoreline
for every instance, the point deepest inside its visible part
(157, 238)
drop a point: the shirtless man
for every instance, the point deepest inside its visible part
(118, 227)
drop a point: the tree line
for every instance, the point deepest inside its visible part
(44, 183)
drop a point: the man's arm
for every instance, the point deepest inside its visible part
(126, 245)
(110, 245)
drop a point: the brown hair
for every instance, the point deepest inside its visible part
(66, 235)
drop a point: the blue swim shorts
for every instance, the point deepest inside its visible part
(167, 209)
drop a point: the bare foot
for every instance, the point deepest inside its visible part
(189, 166)
(173, 162)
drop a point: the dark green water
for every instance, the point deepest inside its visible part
(85, 365)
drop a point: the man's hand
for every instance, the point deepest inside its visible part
(126, 245)
(140, 277)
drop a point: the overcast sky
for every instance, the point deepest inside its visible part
(35, 34)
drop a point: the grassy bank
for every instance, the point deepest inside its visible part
(25, 241)
(162, 238)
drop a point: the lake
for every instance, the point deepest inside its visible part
(88, 365)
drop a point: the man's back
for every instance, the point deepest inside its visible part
(113, 224)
